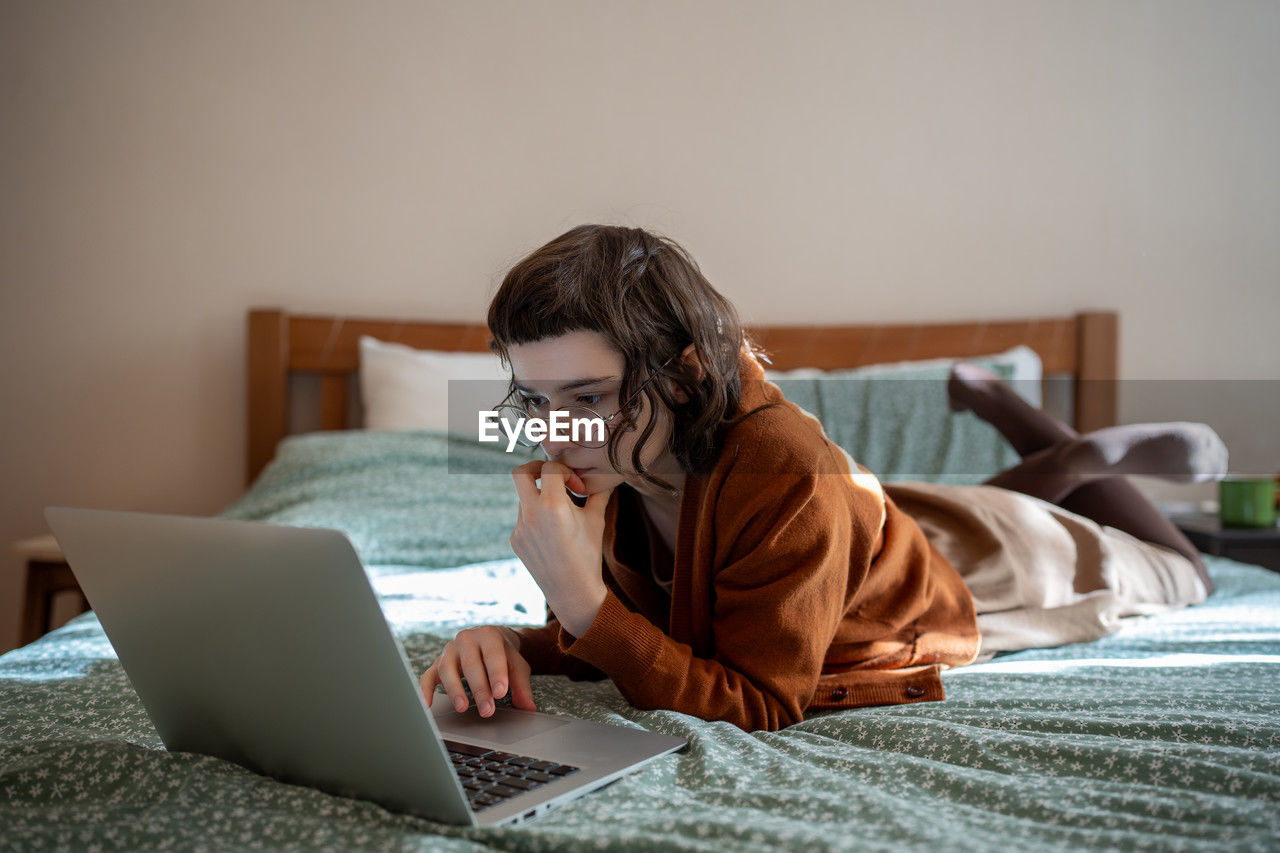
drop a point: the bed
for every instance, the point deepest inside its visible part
(1164, 736)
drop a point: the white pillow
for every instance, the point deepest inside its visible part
(405, 388)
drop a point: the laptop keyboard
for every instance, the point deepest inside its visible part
(489, 776)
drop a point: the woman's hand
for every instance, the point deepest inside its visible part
(489, 658)
(560, 543)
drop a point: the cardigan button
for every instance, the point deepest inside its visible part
(839, 693)
(915, 692)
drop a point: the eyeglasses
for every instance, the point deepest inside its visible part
(580, 425)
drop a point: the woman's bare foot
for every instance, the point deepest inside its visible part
(1026, 428)
(967, 385)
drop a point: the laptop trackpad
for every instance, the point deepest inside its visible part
(504, 727)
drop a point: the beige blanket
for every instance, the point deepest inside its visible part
(1042, 576)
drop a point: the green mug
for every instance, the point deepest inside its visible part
(1247, 501)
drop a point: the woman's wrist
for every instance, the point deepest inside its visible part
(579, 620)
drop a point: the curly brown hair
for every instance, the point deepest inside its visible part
(647, 297)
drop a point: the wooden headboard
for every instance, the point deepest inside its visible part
(282, 345)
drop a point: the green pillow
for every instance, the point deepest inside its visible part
(894, 418)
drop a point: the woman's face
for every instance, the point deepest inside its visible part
(581, 368)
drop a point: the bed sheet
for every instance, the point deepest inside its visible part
(1163, 736)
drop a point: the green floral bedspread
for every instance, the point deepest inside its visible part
(1164, 736)
(413, 498)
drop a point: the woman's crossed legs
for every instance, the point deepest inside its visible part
(1085, 474)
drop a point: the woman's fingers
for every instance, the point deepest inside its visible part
(429, 680)
(493, 652)
(574, 484)
(521, 688)
(471, 661)
(554, 476)
(449, 675)
(596, 504)
(489, 660)
(526, 480)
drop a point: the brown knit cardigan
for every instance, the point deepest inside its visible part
(796, 585)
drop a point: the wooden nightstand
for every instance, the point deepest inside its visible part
(1260, 546)
(47, 577)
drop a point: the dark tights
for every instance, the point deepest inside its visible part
(1087, 474)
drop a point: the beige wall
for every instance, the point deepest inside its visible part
(167, 165)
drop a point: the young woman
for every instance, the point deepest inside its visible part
(731, 563)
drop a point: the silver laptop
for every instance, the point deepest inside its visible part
(265, 645)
